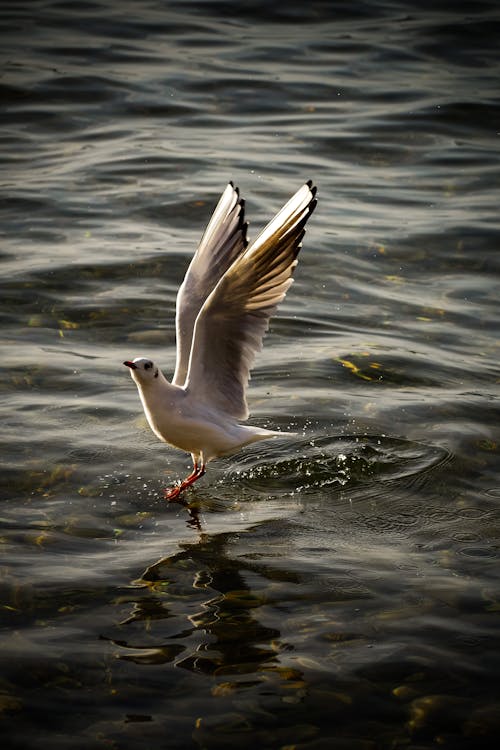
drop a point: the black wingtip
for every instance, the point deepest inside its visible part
(242, 223)
(312, 187)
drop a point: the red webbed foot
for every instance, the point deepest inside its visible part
(174, 492)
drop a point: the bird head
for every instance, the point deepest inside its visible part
(143, 370)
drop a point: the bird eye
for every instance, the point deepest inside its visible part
(148, 366)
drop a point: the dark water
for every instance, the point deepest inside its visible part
(339, 589)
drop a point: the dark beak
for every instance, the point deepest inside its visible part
(130, 364)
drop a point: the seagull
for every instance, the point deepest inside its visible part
(223, 309)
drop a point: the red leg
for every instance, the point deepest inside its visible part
(174, 492)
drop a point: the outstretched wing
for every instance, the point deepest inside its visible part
(231, 324)
(223, 240)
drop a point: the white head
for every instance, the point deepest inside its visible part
(143, 370)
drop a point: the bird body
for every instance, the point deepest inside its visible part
(178, 417)
(223, 309)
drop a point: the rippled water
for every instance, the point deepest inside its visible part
(334, 589)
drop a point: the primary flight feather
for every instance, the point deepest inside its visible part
(224, 304)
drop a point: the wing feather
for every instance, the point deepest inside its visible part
(235, 316)
(223, 240)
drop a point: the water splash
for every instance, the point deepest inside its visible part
(334, 463)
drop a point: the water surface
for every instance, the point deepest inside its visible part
(334, 589)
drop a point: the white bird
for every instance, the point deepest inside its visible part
(223, 309)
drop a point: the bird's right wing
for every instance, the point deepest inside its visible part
(224, 239)
(232, 321)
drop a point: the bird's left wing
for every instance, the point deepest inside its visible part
(223, 240)
(231, 324)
